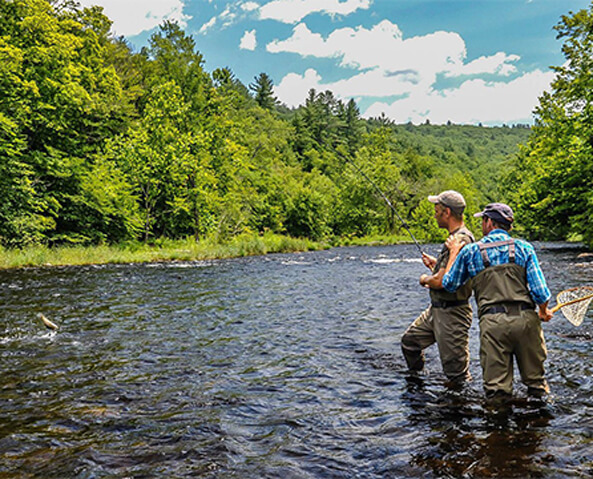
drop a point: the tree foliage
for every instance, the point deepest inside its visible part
(60, 100)
(552, 175)
(102, 144)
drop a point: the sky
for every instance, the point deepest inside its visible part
(464, 61)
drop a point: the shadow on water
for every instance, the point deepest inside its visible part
(280, 366)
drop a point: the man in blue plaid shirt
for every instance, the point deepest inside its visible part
(507, 282)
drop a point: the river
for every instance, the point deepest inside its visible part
(281, 366)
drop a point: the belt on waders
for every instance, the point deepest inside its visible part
(449, 304)
(513, 309)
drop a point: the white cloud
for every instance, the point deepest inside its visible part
(372, 83)
(303, 42)
(208, 25)
(419, 57)
(436, 53)
(287, 11)
(474, 101)
(232, 13)
(293, 11)
(293, 88)
(249, 6)
(248, 41)
(227, 17)
(498, 64)
(131, 17)
(391, 66)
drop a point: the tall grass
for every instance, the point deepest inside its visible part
(162, 250)
(179, 250)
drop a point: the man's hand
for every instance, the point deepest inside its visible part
(454, 244)
(545, 313)
(423, 279)
(429, 261)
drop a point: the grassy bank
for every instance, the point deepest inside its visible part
(178, 250)
(163, 250)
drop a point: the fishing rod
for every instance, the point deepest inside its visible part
(403, 222)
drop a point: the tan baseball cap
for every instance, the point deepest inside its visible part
(450, 198)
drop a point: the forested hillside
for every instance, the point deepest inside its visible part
(99, 143)
(551, 179)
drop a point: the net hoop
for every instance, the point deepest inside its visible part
(574, 303)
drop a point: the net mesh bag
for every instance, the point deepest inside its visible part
(578, 300)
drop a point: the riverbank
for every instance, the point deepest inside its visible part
(160, 250)
(176, 250)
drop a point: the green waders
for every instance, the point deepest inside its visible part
(447, 322)
(509, 326)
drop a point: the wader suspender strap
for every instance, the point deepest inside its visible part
(484, 246)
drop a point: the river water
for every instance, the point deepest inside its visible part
(283, 366)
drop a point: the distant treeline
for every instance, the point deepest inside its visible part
(101, 144)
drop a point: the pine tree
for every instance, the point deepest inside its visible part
(263, 91)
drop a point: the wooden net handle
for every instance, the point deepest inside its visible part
(572, 301)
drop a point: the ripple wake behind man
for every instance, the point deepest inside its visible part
(448, 318)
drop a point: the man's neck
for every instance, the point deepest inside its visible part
(498, 231)
(454, 226)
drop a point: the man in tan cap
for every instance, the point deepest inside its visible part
(448, 318)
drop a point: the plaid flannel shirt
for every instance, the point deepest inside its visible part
(469, 263)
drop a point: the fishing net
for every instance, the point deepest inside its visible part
(574, 303)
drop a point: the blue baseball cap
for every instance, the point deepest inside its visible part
(498, 212)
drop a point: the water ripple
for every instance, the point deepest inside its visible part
(279, 366)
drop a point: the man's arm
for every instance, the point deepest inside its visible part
(429, 262)
(537, 285)
(433, 281)
(456, 272)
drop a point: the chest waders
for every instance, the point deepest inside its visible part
(509, 326)
(447, 322)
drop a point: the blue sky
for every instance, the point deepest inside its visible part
(465, 61)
